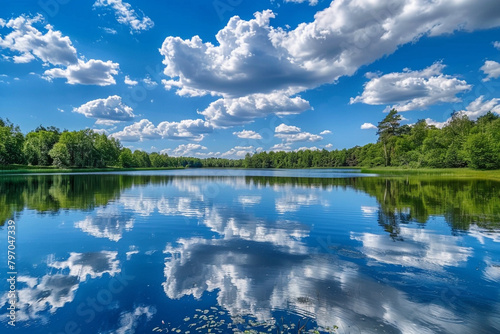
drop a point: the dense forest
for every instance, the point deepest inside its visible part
(461, 143)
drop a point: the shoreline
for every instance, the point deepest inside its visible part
(54, 170)
(382, 171)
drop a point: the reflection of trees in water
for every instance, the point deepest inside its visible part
(49, 194)
(462, 202)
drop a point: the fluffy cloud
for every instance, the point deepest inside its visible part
(111, 108)
(281, 147)
(477, 108)
(438, 125)
(491, 69)
(92, 72)
(496, 45)
(126, 15)
(366, 126)
(50, 47)
(239, 152)
(304, 148)
(190, 129)
(53, 48)
(149, 82)
(138, 131)
(247, 134)
(130, 82)
(228, 112)
(283, 128)
(298, 137)
(185, 150)
(411, 90)
(252, 57)
(187, 129)
(292, 134)
(480, 107)
(245, 62)
(325, 132)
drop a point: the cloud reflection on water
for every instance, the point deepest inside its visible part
(53, 291)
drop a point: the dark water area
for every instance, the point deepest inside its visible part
(250, 251)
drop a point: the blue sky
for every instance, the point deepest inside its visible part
(227, 77)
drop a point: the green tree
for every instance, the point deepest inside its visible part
(387, 129)
(11, 143)
(482, 153)
(60, 155)
(126, 159)
(37, 146)
(141, 159)
(108, 150)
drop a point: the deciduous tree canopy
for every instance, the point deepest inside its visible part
(461, 143)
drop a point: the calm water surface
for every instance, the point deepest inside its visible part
(262, 251)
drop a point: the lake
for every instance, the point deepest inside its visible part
(251, 251)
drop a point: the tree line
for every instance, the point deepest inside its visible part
(460, 143)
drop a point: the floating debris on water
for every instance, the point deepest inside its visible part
(210, 321)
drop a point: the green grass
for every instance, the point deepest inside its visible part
(437, 172)
(24, 169)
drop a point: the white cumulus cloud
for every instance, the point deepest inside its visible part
(477, 108)
(325, 132)
(187, 129)
(239, 152)
(437, 124)
(92, 72)
(304, 148)
(130, 82)
(247, 134)
(126, 15)
(283, 128)
(281, 147)
(30, 43)
(491, 69)
(480, 107)
(190, 129)
(410, 90)
(111, 108)
(253, 57)
(366, 126)
(139, 131)
(291, 134)
(226, 112)
(185, 150)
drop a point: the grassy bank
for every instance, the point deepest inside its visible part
(437, 172)
(22, 169)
